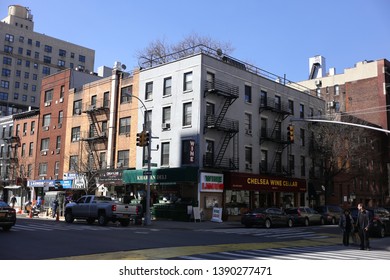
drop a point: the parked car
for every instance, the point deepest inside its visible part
(7, 216)
(305, 216)
(380, 221)
(267, 217)
(331, 213)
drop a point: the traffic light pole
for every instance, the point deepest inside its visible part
(146, 133)
(148, 219)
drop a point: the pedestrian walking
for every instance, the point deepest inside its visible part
(13, 201)
(346, 225)
(55, 207)
(363, 224)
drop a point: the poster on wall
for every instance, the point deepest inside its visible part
(211, 182)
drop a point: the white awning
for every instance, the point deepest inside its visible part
(12, 187)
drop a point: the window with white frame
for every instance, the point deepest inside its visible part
(123, 158)
(167, 86)
(124, 125)
(43, 169)
(166, 115)
(248, 158)
(149, 91)
(75, 134)
(187, 114)
(45, 144)
(187, 86)
(165, 154)
(46, 120)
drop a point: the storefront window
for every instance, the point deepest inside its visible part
(237, 202)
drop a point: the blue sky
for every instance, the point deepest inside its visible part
(278, 36)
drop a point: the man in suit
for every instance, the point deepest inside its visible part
(363, 224)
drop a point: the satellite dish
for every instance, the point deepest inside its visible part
(219, 52)
(123, 66)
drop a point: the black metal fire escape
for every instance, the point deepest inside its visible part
(276, 134)
(219, 122)
(96, 137)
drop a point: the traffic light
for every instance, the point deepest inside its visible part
(141, 139)
(290, 133)
(146, 138)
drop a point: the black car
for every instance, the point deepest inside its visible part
(380, 220)
(331, 213)
(267, 217)
(305, 216)
(7, 216)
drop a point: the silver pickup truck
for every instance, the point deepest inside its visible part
(104, 209)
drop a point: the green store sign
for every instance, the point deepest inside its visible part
(166, 176)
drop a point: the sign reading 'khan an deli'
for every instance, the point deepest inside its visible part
(258, 183)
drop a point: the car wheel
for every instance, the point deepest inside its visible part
(290, 223)
(307, 222)
(69, 217)
(268, 223)
(102, 220)
(333, 220)
(90, 221)
(6, 228)
(322, 221)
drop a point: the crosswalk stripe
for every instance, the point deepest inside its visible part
(332, 252)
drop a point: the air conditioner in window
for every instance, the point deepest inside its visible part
(248, 131)
(24, 133)
(43, 153)
(58, 150)
(119, 164)
(46, 128)
(77, 111)
(59, 125)
(48, 103)
(61, 99)
(104, 134)
(92, 107)
(166, 125)
(248, 165)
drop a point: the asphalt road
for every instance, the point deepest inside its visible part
(42, 239)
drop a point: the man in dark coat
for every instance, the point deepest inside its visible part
(55, 207)
(363, 224)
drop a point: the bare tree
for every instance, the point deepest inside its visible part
(343, 150)
(159, 51)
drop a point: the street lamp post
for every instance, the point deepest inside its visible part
(147, 128)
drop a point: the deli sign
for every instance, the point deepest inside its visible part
(211, 182)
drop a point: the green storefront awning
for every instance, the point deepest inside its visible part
(164, 176)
